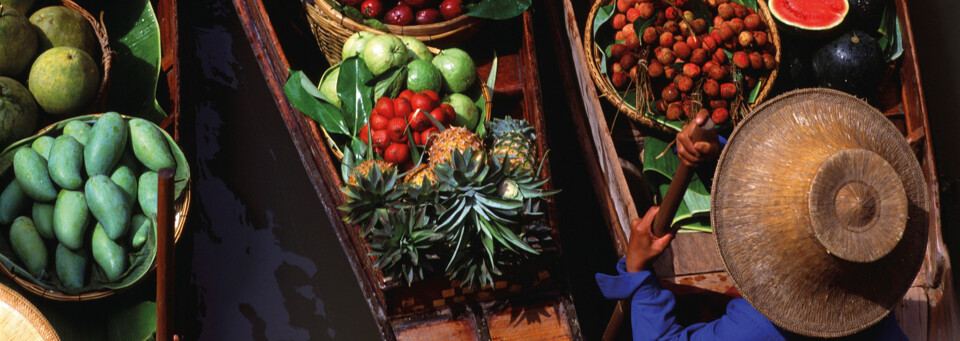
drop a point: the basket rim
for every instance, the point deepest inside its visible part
(609, 92)
(107, 54)
(182, 206)
(454, 24)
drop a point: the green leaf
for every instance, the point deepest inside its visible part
(604, 13)
(497, 9)
(492, 78)
(752, 4)
(640, 25)
(755, 92)
(658, 172)
(390, 84)
(353, 13)
(891, 42)
(360, 149)
(138, 322)
(356, 95)
(375, 24)
(135, 36)
(324, 113)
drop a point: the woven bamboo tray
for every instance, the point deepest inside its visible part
(331, 29)
(20, 320)
(106, 57)
(608, 91)
(181, 208)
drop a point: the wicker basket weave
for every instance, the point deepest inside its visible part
(106, 57)
(608, 91)
(331, 29)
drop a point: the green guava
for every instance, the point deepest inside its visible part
(22, 6)
(18, 42)
(417, 49)
(467, 112)
(328, 86)
(354, 45)
(18, 112)
(384, 52)
(64, 80)
(457, 69)
(61, 26)
(421, 75)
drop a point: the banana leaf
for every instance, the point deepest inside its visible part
(497, 9)
(694, 211)
(140, 260)
(136, 323)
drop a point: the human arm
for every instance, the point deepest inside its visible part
(692, 153)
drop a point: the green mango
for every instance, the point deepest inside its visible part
(150, 146)
(109, 205)
(138, 232)
(110, 256)
(105, 144)
(31, 171)
(42, 146)
(71, 267)
(78, 130)
(43, 219)
(70, 218)
(66, 162)
(28, 246)
(12, 202)
(147, 193)
(125, 177)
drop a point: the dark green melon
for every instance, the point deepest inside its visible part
(852, 63)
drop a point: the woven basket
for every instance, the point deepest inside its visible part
(106, 57)
(181, 208)
(20, 320)
(331, 29)
(608, 91)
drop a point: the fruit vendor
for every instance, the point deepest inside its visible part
(651, 307)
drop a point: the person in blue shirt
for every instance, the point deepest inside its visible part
(651, 307)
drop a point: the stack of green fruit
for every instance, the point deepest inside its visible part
(57, 53)
(90, 191)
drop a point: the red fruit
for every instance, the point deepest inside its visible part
(655, 69)
(711, 88)
(717, 21)
(666, 39)
(450, 116)
(438, 114)
(620, 35)
(741, 60)
(666, 57)
(401, 107)
(752, 22)
(418, 3)
(670, 93)
(433, 95)
(364, 133)
(718, 73)
(720, 56)
(422, 102)
(632, 43)
(650, 35)
(408, 94)
(633, 73)
(684, 83)
(628, 61)
(760, 38)
(740, 11)
(397, 153)
(419, 121)
(693, 42)
(669, 73)
(720, 115)
(672, 13)
(628, 30)
(616, 68)
(624, 5)
(745, 38)
(417, 139)
(682, 50)
(396, 130)
(617, 51)
(428, 16)
(378, 122)
(632, 14)
(385, 107)
(728, 90)
(673, 111)
(709, 43)
(751, 81)
(718, 103)
(661, 105)
(691, 70)
(699, 25)
(726, 32)
(619, 79)
(450, 9)
(698, 56)
(769, 62)
(725, 11)
(381, 138)
(426, 134)
(400, 15)
(619, 21)
(756, 60)
(372, 8)
(646, 10)
(672, 27)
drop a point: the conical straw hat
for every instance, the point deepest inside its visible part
(819, 209)
(20, 320)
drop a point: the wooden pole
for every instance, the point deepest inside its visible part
(165, 243)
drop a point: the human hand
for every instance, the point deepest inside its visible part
(643, 246)
(692, 153)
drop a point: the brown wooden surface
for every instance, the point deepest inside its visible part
(165, 252)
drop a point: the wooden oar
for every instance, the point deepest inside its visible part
(165, 242)
(663, 222)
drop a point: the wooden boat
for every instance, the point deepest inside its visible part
(692, 266)
(437, 308)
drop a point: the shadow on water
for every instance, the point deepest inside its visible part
(259, 259)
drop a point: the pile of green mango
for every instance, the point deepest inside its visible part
(88, 193)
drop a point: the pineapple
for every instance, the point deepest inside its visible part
(406, 246)
(453, 138)
(363, 169)
(514, 139)
(372, 194)
(422, 175)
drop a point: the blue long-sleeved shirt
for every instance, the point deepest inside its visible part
(652, 314)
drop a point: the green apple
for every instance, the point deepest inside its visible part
(328, 85)
(355, 44)
(384, 52)
(417, 49)
(421, 75)
(467, 112)
(457, 69)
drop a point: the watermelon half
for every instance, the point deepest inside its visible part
(810, 16)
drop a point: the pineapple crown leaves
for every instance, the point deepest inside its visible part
(497, 127)
(523, 184)
(372, 198)
(406, 244)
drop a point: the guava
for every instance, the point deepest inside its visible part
(384, 52)
(61, 26)
(18, 111)
(64, 80)
(417, 49)
(421, 75)
(457, 69)
(354, 45)
(22, 6)
(467, 112)
(328, 86)
(18, 42)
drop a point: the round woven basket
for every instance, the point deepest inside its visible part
(181, 208)
(331, 29)
(608, 91)
(20, 320)
(106, 57)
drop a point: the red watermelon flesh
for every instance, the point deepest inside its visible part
(810, 14)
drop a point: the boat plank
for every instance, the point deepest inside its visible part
(543, 321)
